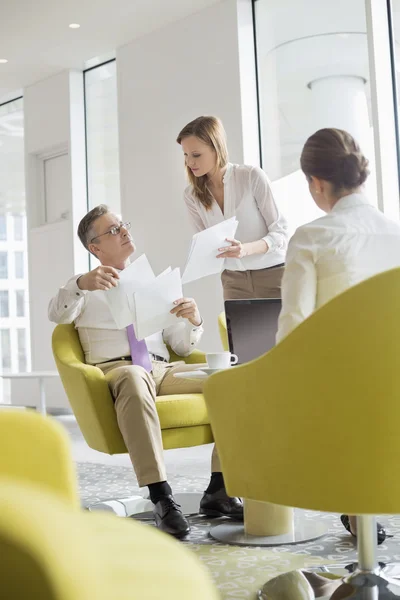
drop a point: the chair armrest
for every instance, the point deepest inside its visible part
(197, 356)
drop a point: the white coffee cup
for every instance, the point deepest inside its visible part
(221, 360)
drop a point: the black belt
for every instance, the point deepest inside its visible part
(275, 266)
(152, 356)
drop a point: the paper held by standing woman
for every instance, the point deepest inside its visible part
(202, 260)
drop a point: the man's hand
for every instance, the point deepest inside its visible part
(187, 308)
(102, 278)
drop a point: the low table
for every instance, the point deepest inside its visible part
(41, 376)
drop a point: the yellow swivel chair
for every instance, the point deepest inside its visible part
(51, 550)
(183, 418)
(314, 423)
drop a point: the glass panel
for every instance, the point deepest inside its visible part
(5, 350)
(22, 354)
(19, 265)
(4, 304)
(312, 73)
(13, 235)
(102, 136)
(18, 228)
(3, 227)
(20, 301)
(3, 265)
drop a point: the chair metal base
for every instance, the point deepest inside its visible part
(304, 530)
(139, 507)
(342, 582)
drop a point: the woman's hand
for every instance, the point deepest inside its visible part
(239, 250)
(235, 250)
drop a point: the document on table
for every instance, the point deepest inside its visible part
(154, 302)
(121, 298)
(202, 260)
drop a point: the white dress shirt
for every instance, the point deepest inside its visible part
(331, 254)
(248, 196)
(105, 342)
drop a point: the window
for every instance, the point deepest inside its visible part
(5, 349)
(102, 136)
(312, 73)
(3, 227)
(18, 228)
(4, 305)
(3, 265)
(22, 358)
(19, 265)
(13, 243)
(20, 302)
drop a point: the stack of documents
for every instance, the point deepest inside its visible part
(144, 300)
(121, 298)
(154, 302)
(202, 260)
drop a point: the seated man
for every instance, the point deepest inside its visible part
(137, 371)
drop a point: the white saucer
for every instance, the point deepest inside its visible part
(202, 373)
(210, 371)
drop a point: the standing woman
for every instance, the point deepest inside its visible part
(219, 190)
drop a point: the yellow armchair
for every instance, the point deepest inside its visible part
(51, 550)
(314, 423)
(36, 450)
(184, 419)
(223, 332)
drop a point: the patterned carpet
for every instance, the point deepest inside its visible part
(237, 571)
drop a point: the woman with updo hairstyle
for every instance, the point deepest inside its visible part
(352, 242)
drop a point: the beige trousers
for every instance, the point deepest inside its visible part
(134, 391)
(261, 283)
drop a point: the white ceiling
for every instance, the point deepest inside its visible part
(36, 39)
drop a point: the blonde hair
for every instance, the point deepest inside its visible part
(210, 131)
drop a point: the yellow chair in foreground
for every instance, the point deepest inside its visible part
(51, 551)
(314, 423)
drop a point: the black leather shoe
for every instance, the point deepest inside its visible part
(219, 504)
(169, 517)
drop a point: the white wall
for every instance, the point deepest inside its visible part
(54, 126)
(166, 79)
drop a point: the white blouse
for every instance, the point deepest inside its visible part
(248, 196)
(331, 254)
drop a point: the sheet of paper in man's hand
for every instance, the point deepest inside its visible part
(202, 260)
(154, 302)
(120, 299)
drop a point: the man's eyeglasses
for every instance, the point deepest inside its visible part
(114, 230)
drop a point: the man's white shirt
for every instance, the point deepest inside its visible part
(105, 342)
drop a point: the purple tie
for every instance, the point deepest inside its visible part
(139, 353)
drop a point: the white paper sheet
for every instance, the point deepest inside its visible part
(202, 260)
(154, 302)
(120, 299)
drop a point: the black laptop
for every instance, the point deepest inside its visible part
(252, 326)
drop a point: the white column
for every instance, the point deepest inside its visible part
(341, 102)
